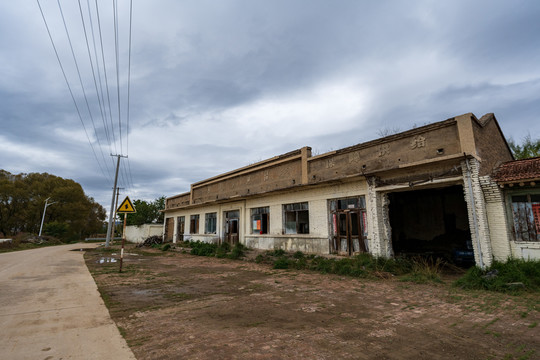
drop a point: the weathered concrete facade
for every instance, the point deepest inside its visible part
(368, 197)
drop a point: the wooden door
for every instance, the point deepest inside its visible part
(232, 227)
(169, 229)
(180, 228)
(348, 238)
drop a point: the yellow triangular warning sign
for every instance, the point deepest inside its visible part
(126, 206)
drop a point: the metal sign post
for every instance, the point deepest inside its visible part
(123, 242)
(126, 207)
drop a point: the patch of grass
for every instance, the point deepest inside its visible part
(298, 255)
(514, 276)
(281, 263)
(122, 331)
(277, 252)
(491, 322)
(138, 341)
(533, 325)
(425, 270)
(177, 296)
(103, 249)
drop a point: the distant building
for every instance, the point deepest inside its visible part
(422, 191)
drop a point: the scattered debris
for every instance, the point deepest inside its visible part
(151, 241)
(516, 285)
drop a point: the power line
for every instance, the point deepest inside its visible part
(69, 88)
(94, 75)
(97, 63)
(130, 174)
(82, 85)
(129, 72)
(105, 74)
(117, 56)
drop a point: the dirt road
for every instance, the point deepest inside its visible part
(179, 306)
(51, 309)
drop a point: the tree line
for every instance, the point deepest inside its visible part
(22, 198)
(147, 212)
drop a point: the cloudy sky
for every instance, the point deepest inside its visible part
(216, 85)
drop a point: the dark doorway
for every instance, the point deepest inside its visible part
(180, 228)
(232, 219)
(432, 222)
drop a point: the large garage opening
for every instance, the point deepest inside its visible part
(432, 222)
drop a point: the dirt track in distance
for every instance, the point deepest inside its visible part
(173, 305)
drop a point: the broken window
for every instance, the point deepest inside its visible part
(526, 216)
(194, 224)
(296, 218)
(210, 222)
(260, 219)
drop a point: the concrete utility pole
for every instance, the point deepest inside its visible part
(115, 208)
(44, 210)
(112, 201)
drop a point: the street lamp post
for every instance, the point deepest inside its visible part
(44, 210)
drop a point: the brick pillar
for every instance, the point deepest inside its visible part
(379, 230)
(499, 228)
(476, 208)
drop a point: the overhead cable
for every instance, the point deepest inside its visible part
(70, 90)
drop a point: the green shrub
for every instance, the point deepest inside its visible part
(342, 267)
(166, 247)
(298, 255)
(281, 263)
(237, 251)
(299, 264)
(278, 252)
(222, 250)
(322, 264)
(203, 249)
(512, 276)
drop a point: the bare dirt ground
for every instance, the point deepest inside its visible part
(170, 305)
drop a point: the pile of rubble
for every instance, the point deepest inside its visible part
(151, 241)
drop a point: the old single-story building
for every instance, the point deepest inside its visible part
(423, 191)
(519, 183)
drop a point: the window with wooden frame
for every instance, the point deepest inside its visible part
(210, 221)
(526, 217)
(194, 224)
(260, 220)
(296, 218)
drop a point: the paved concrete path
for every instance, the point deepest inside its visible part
(50, 308)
